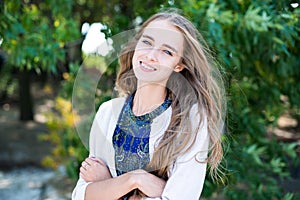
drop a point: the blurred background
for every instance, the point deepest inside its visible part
(44, 43)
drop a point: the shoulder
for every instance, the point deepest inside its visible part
(112, 103)
(198, 115)
(198, 118)
(112, 106)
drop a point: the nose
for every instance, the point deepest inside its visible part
(152, 54)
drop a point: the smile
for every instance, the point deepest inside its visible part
(147, 68)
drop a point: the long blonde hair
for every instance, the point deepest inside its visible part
(198, 83)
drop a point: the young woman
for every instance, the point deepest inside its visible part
(155, 142)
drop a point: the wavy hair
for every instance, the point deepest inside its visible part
(198, 83)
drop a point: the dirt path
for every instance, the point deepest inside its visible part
(19, 143)
(21, 174)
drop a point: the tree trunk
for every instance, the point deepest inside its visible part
(25, 98)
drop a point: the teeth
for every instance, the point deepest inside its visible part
(147, 67)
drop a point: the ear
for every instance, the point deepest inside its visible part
(178, 68)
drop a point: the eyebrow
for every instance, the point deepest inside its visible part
(166, 45)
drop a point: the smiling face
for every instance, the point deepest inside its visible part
(158, 52)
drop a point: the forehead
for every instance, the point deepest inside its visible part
(164, 31)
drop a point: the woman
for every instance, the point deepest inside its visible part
(155, 142)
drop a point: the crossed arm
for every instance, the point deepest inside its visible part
(105, 187)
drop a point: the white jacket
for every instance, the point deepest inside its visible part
(187, 175)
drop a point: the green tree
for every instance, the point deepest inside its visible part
(34, 36)
(256, 44)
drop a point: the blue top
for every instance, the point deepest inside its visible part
(131, 137)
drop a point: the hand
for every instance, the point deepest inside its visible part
(149, 184)
(94, 169)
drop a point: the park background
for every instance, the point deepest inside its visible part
(256, 44)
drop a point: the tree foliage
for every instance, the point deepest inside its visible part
(256, 44)
(34, 34)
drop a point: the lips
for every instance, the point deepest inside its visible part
(146, 67)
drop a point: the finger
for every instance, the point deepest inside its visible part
(84, 163)
(82, 169)
(89, 161)
(95, 162)
(98, 160)
(82, 175)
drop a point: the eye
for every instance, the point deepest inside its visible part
(146, 42)
(168, 52)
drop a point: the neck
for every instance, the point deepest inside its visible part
(148, 97)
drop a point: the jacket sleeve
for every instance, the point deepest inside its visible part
(187, 176)
(79, 190)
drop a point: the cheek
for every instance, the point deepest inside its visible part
(138, 52)
(168, 62)
(134, 60)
